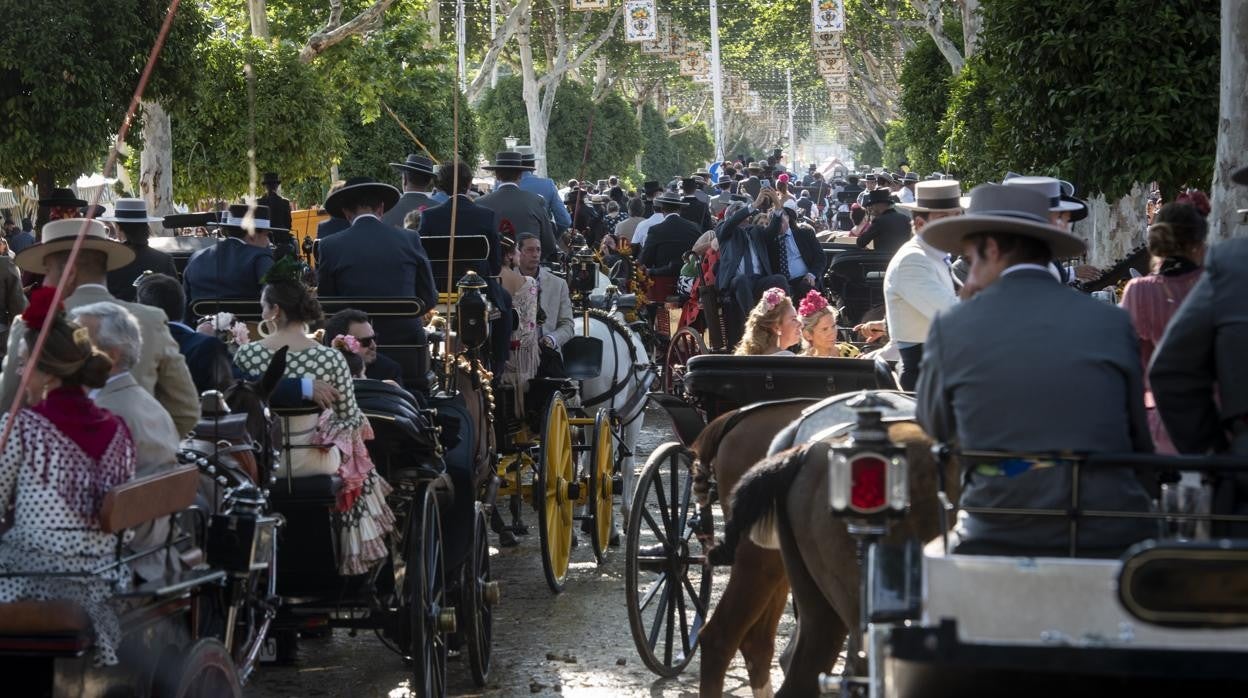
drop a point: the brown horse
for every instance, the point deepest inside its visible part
(749, 611)
(819, 554)
(473, 381)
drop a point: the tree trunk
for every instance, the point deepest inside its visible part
(156, 160)
(259, 19)
(971, 23)
(1232, 153)
(433, 16)
(532, 94)
(1113, 230)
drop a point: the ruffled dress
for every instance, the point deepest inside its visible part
(56, 487)
(524, 358)
(362, 518)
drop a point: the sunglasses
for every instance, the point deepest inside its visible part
(367, 341)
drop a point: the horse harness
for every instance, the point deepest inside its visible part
(632, 409)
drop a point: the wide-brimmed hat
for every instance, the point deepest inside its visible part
(130, 211)
(356, 187)
(95, 211)
(724, 179)
(416, 163)
(1010, 210)
(236, 214)
(59, 236)
(755, 167)
(509, 160)
(271, 178)
(878, 196)
(910, 177)
(1050, 187)
(1240, 176)
(651, 187)
(937, 195)
(669, 198)
(62, 197)
(704, 174)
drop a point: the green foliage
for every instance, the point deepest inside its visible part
(67, 74)
(427, 112)
(695, 147)
(615, 141)
(923, 101)
(1102, 93)
(867, 153)
(660, 159)
(297, 127)
(895, 145)
(971, 150)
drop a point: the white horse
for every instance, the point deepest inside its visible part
(621, 385)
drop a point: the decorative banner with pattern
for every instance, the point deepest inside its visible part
(694, 61)
(827, 43)
(587, 5)
(828, 15)
(838, 99)
(680, 41)
(640, 24)
(825, 66)
(837, 82)
(662, 43)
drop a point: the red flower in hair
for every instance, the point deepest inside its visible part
(811, 304)
(40, 307)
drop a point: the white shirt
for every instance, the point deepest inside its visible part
(1052, 270)
(906, 195)
(917, 286)
(643, 228)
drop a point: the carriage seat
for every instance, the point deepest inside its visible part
(621, 301)
(734, 381)
(56, 627)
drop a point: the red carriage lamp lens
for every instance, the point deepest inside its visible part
(868, 486)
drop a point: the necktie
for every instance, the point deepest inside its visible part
(783, 241)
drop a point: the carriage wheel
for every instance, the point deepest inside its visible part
(553, 478)
(686, 344)
(478, 596)
(426, 597)
(667, 583)
(601, 491)
(208, 672)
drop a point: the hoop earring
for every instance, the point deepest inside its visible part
(263, 327)
(306, 329)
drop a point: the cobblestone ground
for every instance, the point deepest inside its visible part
(575, 644)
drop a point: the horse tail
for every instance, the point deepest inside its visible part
(704, 449)
(756, 502)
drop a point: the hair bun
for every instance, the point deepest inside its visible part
(95, 370)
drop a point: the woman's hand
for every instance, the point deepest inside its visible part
(871, 331)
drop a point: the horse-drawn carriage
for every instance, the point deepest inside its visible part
(1165, 617)
(667, 572)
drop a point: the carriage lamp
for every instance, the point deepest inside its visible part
(583, 272)
(868, 473)
(244, 538)
(472, 311)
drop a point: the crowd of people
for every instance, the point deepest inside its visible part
(979, 319)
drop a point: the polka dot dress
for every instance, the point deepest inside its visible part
(49, 536)
(363, 518)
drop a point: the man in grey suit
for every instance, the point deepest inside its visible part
(161, 369)
(115, 331)
(1028, 365)
(518, 211)
(418, 176)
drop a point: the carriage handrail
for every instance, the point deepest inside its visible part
(376, 307)
(1138, 462)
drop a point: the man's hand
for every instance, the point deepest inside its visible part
(761, 198)
(324, 394)
(810, 279)
(968, 290)
(548, 342)
(871, 331)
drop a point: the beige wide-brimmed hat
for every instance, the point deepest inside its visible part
(937, 195)
(59, 236)
(1010, 210)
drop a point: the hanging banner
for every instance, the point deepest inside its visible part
(825, 66)
(662, 43)
(838, 99)
(680, 43)
(838, 83)
(641, 24)
(827, 43)
(588, 5)
(694, 61)
(828, 15)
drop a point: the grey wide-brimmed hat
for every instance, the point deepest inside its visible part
(59, 236)
(130, 211)
(352, 191)
(416, 163)
(509, 160)
(669, 198)
(937, 195)
(1050, 187)
(1010, 210)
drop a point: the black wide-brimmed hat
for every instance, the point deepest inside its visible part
(1012, 210)
(879, 196)
(271, 178)
(669, 198)
(236, 215)
(651, 187)
(357, 187)
(416, 163)
(509, 160)
(62, 197)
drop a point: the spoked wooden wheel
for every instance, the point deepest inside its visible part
(601, 491)
(427, 597)
(667, 583)
(686, 344)
(478, 595)
(208, 672)
(552, 485)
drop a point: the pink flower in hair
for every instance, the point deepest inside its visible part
(348, 342)
(812, 303)
(240, 333)
(773, 297)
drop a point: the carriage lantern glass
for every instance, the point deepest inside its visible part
(472, 311)
(867, 473)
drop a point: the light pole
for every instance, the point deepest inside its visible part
(788, 89)
(717, 88)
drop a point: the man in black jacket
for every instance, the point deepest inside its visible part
(889, 230)
(130, 217)
(695, 210)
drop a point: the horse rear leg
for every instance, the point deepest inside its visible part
(759, 645)
(745, 600)
(821, 632)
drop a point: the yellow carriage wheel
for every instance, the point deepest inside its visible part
(553, 480)
(601, 490)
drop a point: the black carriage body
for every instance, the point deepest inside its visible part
(856, 277)
(720, 383)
